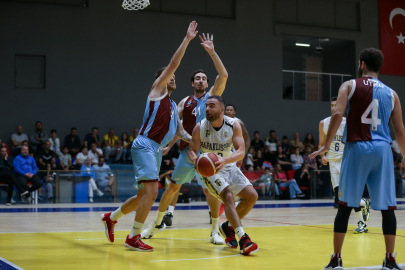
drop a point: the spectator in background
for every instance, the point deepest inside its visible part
(89, 171)
(26, 170)
(104, 177)
(309, 141)
(281, 178)
(310, 162)
(285, 145)
(256, 143)
(296, 142)
(2, 144)
(324, 184)
(271, 143)
(250, 174)
(65, 159)
(258, 161)
(92, 137)
(250, 154)
(282, 159)
(395, 149)
(126, 147)
(17, 139)
(296, 159)
(81, 158)
(72, 142)
(266, 180)
(95, 153)
(46, 161)
(111, 147)
(55, 142)
(25, 143)
(38, 137)
(6, 168)
(302, 176)
(135, 133)
(400, 180)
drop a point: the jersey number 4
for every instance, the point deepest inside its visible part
(373, 121)
(194, 112)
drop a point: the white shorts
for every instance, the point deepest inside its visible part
(335, 172)
(229, 176)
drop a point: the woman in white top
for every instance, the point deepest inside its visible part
(55, 143)
(296, 159)
(249, 159)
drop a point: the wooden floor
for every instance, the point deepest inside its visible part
(291, 235)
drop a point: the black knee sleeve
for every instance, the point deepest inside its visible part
(342, 219)
(357, 209)
(336, 191)
(389, 222)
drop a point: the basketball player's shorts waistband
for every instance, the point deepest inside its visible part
(146, 142)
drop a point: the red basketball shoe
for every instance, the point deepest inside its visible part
(135, 243)
(222, 209)
(109, 226)
(247, 246)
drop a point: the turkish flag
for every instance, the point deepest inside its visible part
(392, 36)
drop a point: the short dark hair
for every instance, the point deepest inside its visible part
(198, 71)
(94, 128)
(271, 131)
(285, 137)
(267, 168)
(373, 58)
(159, 72)
(53, 130)
(101, 157)
(256, 132)
(233, 106)
(64, 147)
(84, 147)
(219, 98)
(248, 166)
(73, 128)
(333, 99)
(38, 122)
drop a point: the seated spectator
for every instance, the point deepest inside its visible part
(250, 174)
(258, 161)
(55, 143)
(6, 175)
(126, 147)
(324, 184)
(285, 145)
(309, 141)
(65, 159)
(282, 159)
(17, 139)
(400, 180)
(46, 161)
(72, 142)
(92, 137)
(296, 159)
(265, 182)
(92, 184)
(111, 147)
(26, 170)
(81, 158)
(25, 143)
(395, 149)
(2, 144)
(104, 177)
(38, 137)
(281, 179)
(256, 143)
(250, 154)
(95, 153)
(135, 133)
(302, 176)
(310, 162)
(296, 142)
(271, 143)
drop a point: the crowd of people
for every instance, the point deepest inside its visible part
(272, 165)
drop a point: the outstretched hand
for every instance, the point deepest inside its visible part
(323, 149)
(207, 42)
(191, 32)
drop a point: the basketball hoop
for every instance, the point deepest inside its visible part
(135, 4)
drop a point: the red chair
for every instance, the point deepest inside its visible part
(290, 174)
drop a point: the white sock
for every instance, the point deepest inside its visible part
(362, 203)
(159, 217)
(170, 209)
(117, 214)
(136, 229)
(215, 223)
(239, 232)
(360, 216)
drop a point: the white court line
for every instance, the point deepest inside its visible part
(12, 264)
(197, 259)
(153, 238)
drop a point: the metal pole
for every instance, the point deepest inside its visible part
(330, 86)
(318, 87)
(293, 85)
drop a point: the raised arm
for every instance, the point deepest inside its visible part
(336, 118)
(194, 144)
(397, 124)
(159, 86)
(220, 81)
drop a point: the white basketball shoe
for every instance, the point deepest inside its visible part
(152, 229)
(216, 239)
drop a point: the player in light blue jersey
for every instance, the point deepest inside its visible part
(160, 125)
(367, 157)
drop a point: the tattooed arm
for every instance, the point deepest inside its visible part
(181, 133)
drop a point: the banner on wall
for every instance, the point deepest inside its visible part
(392, 36)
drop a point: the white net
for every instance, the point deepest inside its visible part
(135, 4)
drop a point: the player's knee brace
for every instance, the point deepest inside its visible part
(389, 222)
(342, 219)
(357, 209)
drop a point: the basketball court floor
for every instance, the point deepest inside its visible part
(291, 235)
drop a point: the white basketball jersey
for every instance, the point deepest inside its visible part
(337, 146)
(218, 142)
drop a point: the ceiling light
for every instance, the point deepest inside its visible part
(302, 44)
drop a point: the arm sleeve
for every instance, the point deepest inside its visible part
(293, 158)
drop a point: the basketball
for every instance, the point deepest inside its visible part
(205, 164)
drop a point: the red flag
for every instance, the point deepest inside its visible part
(392, 36)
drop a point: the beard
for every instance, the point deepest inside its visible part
(213, 117)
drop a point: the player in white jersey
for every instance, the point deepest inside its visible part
(222, 135)
(334, 157)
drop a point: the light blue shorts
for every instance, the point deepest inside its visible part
(147, 158)
(184, 171)
(368, 162)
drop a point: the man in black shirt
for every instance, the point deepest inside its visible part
(6, 168)
(92, 138)
(72, 142)
(46, 161)
(256, 143)
(302, 176)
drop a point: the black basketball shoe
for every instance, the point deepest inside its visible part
(229, 234)
(335, 263)
(247, 246)
(167, 219)
(391, 264)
